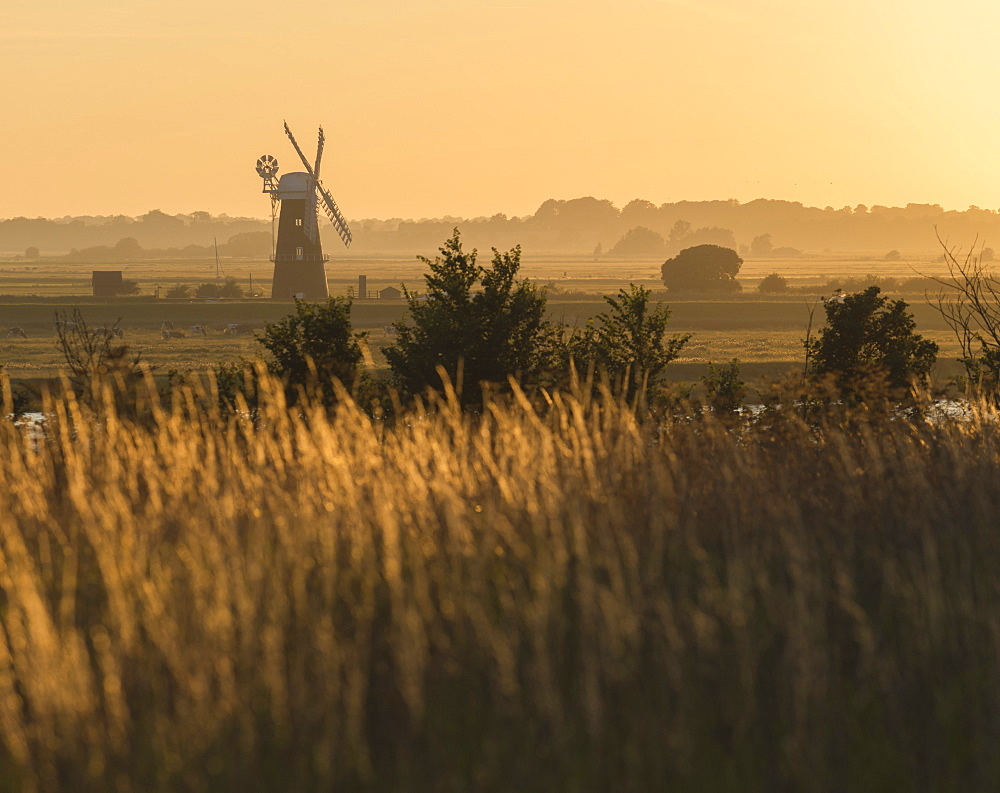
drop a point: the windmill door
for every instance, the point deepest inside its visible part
(299, 256)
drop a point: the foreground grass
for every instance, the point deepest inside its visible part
(536, 599)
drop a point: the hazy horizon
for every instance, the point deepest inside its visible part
(436, 108)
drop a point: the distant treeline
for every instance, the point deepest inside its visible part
(581, 225)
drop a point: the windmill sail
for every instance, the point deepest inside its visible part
(298, 151)
(336, 216)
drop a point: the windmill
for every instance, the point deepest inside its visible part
(298, 253)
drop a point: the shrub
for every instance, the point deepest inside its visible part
(484, 335)
(628, 342)
(773, 284)
(313, 347)
(229, 288)
(725, 391)
(180, 291)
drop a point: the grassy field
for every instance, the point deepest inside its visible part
(765, 332)
(561, 598)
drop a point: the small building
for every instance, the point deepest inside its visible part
(107, 283)
(390, 293)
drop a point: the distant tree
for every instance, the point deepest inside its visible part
(32, 253)
(629, 342)
(639, 241)
(867, 334)
(128, 248)
(129, 287)
(598, 250)
(761, 245)
(987, 255)
(773, 284)
(707, 268)
(680, 230)
(785, 252)
(314, 346)
(249, 244)
(892, 256)
(479, 321)
(180, 291)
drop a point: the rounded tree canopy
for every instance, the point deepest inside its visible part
(773, 284)
(708, 268)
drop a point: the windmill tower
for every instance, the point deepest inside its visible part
(299, 261)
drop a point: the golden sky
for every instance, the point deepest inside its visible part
(473, 107)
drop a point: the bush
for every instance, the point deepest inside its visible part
(477, 336)
(313, 347)
(180, 291)
(725, 391)
(773, 284)
(869, 336)
(628, 342)
(230, 288)
(705, 268)
(129, 287)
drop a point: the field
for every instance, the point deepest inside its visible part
(764, 332)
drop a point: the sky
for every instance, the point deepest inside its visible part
(470, 108)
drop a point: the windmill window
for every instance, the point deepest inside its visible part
(298, 253)
(298, 221)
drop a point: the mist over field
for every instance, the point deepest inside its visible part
(573, 226)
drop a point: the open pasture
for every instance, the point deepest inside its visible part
(596, 275)
(756, 329)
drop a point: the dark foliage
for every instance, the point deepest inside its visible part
(773, 284)
(869, 335)
(703, 268)
(628, 343)
(313, 347)
(481, 325)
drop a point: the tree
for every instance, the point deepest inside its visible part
(761, 245)
(180, 291)
(892, 256)
(478, 336)
(708, 268)
(31, 252)
(129, 287)
(314, 346)
(639, 241)
(865, 335)
(773, 284)
(628, 342)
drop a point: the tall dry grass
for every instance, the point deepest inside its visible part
(535, 599)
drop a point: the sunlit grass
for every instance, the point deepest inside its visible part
(556, 598)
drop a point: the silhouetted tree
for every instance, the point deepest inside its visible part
(32, 253)
(481, 325)
(129, 287)
(707, 268)
(867, 334)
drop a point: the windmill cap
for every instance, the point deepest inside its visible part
(295, 185)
